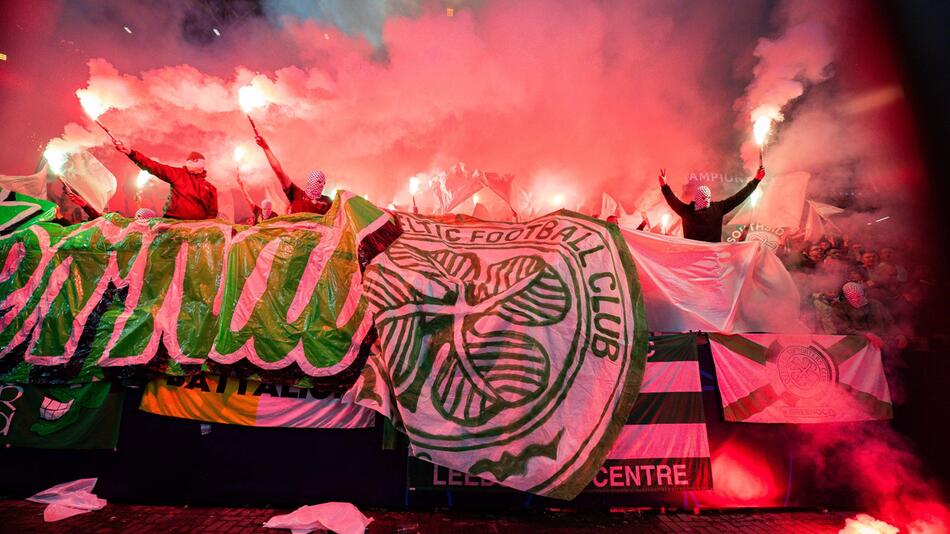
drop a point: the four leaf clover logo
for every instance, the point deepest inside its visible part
(443, 309)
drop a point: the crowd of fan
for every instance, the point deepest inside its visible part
(848, 287)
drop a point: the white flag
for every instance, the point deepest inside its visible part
(33, 185)
(783, 378)
(89, 178)
(817, 224)
(608, 206)
(780, 204)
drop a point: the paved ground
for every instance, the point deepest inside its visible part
(23, 517)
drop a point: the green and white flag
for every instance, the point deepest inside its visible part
(281, 300)
(60, 417)
(772, 378)
(19, 211)
(512, 352)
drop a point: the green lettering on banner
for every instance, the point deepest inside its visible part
(204, 289)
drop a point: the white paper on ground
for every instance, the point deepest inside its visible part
(339, 517)
(69, 499)
(55, 512)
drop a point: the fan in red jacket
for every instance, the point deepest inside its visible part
(192, 197)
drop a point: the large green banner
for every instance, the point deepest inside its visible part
(512, 352)
(80, 416)
(280, 301)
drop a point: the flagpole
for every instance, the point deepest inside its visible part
(253, 126)
(106, 130)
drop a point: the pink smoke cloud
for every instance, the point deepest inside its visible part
(881, 467)
(597, 95)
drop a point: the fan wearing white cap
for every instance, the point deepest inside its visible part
(144, 214)
(261, 212)
(308, 200)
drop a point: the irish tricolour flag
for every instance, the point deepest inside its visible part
(769, 378)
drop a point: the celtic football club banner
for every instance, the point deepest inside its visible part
(663, 446)
(82, 416)
(767, 378)
(238, 401)
(282, 299)
(512, 352)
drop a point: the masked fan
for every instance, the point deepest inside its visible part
(702, 218)
(308, 200)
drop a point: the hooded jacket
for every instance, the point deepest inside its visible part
(191, 197)
(706, 224)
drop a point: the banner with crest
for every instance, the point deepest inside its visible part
(513, 352)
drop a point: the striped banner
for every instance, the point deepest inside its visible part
(663, 446)
(18, 211)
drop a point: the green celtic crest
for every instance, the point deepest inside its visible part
(503, 343)
(479, 322)
(801, 372)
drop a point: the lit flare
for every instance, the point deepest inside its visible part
(760, 129)
(92, 104)
(56, 158)
(94, 107)
(251, 98)
(865, 524)
(141, 179)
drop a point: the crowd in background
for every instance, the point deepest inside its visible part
(852, 287)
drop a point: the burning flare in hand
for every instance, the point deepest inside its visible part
(94, 107)
(141, 179)
(760, 129)
(250, 97)
(762, 119)
(92, 104)
(56, 158)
